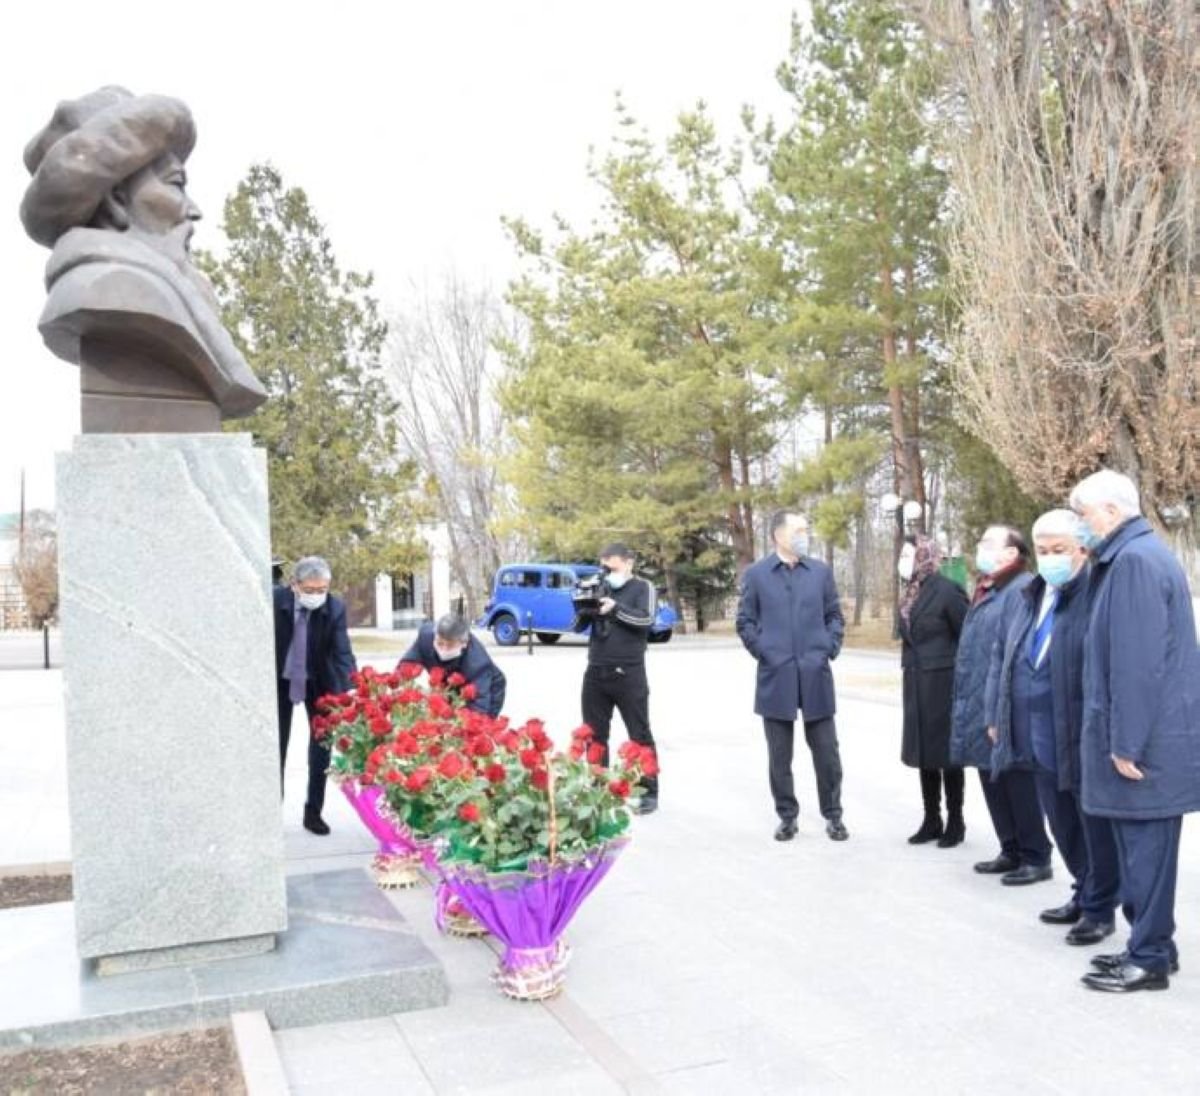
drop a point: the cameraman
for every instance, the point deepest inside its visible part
(616, 671)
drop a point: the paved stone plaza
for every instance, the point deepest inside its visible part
(714, 959)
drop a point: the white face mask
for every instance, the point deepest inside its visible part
(617, 579)
(905, 567)
(311, 601)
(448, 656)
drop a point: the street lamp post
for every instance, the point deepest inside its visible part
(908, 512)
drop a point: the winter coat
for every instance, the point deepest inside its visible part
(930, 642)
(1141, 681)
(475, 664)
(790, 620)
(969, 744)
(1066, 675)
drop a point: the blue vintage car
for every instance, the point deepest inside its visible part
(536, 597)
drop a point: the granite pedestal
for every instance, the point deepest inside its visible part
(172, 743)
(346, 955)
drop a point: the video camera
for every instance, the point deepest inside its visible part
(589, 592)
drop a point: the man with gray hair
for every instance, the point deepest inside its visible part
(1140, 749)
(312, 658)
(466, 664)
(1034, 709)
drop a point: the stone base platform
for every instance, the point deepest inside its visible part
(347, 955)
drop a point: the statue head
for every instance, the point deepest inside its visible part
(113, 160)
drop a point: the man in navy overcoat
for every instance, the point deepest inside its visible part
(312, 658)
(790, 619)
(1140, 750)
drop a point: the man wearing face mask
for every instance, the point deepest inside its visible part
(616, 669)
(312, 658)
(1140, 748)
(1000, 559)
(449, 644)
(790, 619)
(1034, 702)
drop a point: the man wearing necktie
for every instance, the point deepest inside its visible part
(312, 658)
(1035, 706)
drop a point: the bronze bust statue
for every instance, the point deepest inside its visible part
(125, 302)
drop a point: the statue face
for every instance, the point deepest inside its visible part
(157, 205)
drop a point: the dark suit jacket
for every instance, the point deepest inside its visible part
(475, 664)
(330, 659)
(790, 620)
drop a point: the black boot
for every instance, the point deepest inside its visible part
(956, 828)
(931, 794)
(314, 823)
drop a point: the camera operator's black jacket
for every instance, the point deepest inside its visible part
(619, 637)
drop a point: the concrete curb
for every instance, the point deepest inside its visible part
(262, 1069)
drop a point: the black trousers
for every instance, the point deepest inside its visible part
(1012, 801)
(1087, 846)
(626, 689)
(318, 755)
(821, 736)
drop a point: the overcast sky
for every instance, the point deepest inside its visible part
(413, 128)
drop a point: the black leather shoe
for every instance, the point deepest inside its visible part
(314, 823)
(1026, 874)
(1066, 914)
(1126, 979)
(931, 829)
(646, 805)
(1119, 959)
(836, 831)
(1088, 932)
(786, 830)
(999, 866)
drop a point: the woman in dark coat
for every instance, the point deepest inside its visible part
(932, 609)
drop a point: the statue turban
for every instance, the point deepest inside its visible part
(91, 145)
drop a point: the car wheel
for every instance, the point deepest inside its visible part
(548, 637)
(506, 631)
(660, 637)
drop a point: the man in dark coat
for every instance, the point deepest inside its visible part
(1000, 558)
(1035, 706)
(312, 658)
(1140, 750)
(932, 610)
(450, 645)
(790, 619)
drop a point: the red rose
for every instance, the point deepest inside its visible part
(451, 765)
(495, 773)
(576, 751)
(541, 741)
(377, 756)
(469, 692)
(380, 726)
(406, 744)
(456, 680)
(649, 764)
(468, 812)
(418, 778)
(628, 751)
(540, 779)
(531, 759)
(409, 671)
(434, 749)
(619, 788)
(595, 753)
(437, 676)
(393, 776)
(481, 747)
(582, 732)
(440, 707)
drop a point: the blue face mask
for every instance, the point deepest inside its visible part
(1056, 570)
(985, 562)
(1090, 540)
(799, 545)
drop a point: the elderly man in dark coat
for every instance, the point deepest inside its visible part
(790, 619)
(932, 610)
(1035, 706)
(1000, 558)
(450, 645)
(1140, 750)
(312, 658)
